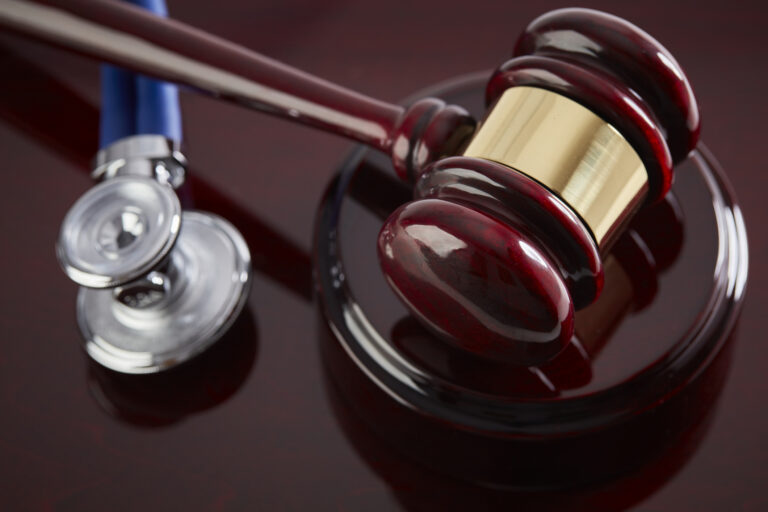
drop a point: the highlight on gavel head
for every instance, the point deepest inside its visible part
(504, 242)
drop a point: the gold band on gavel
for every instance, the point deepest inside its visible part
(567, 148)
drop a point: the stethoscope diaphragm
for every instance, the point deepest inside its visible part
(175, 312)
(118, 231)
(158, 286)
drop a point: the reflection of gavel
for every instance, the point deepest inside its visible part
(650, 245)
(503, 243)
(609, 469)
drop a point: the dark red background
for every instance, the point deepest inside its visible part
(275, 444)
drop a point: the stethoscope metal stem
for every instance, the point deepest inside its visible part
(149, 155)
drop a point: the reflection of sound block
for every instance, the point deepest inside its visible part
(633, 383)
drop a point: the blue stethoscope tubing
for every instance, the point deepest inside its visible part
(133, 104)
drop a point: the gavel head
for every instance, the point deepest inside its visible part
(504, 243)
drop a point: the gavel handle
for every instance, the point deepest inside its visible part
(132, 38)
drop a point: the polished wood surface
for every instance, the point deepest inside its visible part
(266, 435)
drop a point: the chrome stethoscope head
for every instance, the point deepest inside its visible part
(158, 285)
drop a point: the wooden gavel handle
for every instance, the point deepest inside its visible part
(135, 39)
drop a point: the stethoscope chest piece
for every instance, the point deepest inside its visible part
(158, 286)
(118, 231)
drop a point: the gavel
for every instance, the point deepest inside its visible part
(511, 217)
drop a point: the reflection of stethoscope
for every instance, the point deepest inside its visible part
(159, 285)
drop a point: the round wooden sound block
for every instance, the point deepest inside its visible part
(639, 377)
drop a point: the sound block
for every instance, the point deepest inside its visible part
(638, 380)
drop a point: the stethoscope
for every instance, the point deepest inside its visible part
(158, 284)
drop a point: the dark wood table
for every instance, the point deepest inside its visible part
(265, 436)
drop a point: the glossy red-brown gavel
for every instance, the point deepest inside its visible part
(502, 243)
(497, 260)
